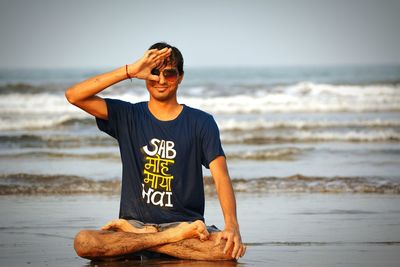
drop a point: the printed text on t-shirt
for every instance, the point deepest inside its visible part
(156, 186)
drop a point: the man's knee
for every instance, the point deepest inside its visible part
(219, 250)
(201, 250)
(84, 243)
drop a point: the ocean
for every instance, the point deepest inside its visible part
(283, 129)
(317, 148)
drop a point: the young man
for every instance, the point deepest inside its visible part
(163, 145)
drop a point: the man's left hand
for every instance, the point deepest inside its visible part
(233, 238)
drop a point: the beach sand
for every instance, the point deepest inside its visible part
(287, 229)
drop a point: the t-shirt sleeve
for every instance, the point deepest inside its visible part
(210, 142)
(118, 117)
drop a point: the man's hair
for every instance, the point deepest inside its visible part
(175, 58)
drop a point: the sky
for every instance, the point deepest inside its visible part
(97, 33)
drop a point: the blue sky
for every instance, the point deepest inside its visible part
(57, 34)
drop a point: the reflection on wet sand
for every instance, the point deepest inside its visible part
(170, 262)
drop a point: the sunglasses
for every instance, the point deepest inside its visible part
(169, 74)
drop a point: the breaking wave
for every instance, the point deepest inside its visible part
(14, 184)
(301, 97)
(305, 97)
(312, 136)
(43, 122)
(267, 154)
(59, 155)
(306, 184)
(285, 153)
(54, 184)
(82, 119)
(55, 141)
(251, 125)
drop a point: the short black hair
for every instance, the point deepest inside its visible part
(175, 58)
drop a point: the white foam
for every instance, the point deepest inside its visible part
(23, 183)
(41, 122)
(309, 88)
(240, 125)
(302, 97)
(35, 104)
(305, 136)
(306, 97)
(283, 153)
(40, 110)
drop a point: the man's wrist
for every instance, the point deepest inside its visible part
(232, 225)
(129, 71)
(128, 76)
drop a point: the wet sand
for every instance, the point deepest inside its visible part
(280, 229)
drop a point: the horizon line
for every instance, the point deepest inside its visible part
(3, 68)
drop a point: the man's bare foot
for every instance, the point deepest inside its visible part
(186, 230)
(121, 225)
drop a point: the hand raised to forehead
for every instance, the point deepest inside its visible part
(151, 59)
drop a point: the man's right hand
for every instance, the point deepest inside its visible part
(153, 58)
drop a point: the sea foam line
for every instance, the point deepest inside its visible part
(22, 183)
(302, 97)
(240, 125)
(48, 121)
(285, 153)
(311, 136)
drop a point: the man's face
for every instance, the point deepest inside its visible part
(164, 89)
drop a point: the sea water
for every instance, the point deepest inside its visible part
(292, 123)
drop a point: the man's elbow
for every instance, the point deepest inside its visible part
(69, 95)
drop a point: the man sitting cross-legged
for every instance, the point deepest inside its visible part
(163, 146)
(119, 239)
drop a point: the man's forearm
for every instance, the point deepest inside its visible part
(94, 85)
(225, 191)
(141, 69)
(231, 233)
(228, 203)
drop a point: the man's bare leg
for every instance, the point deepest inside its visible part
(122, 225)
(193, 248)
(93, 244)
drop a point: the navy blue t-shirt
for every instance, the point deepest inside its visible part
(162, 179)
